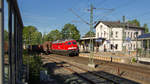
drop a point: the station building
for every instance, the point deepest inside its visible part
(110, 37)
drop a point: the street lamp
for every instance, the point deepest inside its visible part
(136, 45)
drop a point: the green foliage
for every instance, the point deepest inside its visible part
(70, 31)
(31, 35)
(35, 66)
(133, 60)
(146, 28)
(90, 34)
(135, 22)
(53, 35)
(5, 35)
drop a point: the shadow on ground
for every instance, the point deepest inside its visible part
(75, 79)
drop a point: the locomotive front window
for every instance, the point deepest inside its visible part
(74, 42)
(69, 43)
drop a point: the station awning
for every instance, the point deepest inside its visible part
(94, 38)
(144, 36)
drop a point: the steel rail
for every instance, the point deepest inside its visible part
(75, 73)
(92, 73)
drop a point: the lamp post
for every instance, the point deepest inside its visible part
(136, 46)
(123, 35)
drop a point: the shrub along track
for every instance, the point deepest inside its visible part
(92, 77)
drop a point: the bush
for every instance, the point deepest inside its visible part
(133, 60)
(35, 66)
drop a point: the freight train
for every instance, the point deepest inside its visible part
(67, 47)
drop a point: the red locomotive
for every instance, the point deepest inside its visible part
(69, 47)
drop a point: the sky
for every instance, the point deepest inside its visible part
(47, 15)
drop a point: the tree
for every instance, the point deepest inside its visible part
(44, 38)
(54, 35)
(89, 34)
(37, 38)
(146, 28)
(134, 22)
(31, 35)
(70, 31)
(5, 35)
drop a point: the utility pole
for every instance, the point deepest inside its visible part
(123, 35)
(1, 42)
(91, 60)
(137, 46)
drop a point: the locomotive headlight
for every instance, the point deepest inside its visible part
(72, 48)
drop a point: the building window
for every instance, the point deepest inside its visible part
(116, 34)
(112, 34)
(116, 47)
(128, 34)
(101, 34)
(111, 46)
(104, 33)
(134, 47)
(131, 34)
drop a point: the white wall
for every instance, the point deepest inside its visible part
(101, 29)
(117, 37)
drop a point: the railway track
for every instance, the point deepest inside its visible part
(136, 73)
(92, 77)
(140, 74)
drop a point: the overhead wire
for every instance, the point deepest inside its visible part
(119, 7)
(78, 16)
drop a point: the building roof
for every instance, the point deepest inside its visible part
(118, 24)
(88, 38)
(144, 36)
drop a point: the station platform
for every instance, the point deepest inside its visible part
(111, 58)
(144, 59)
